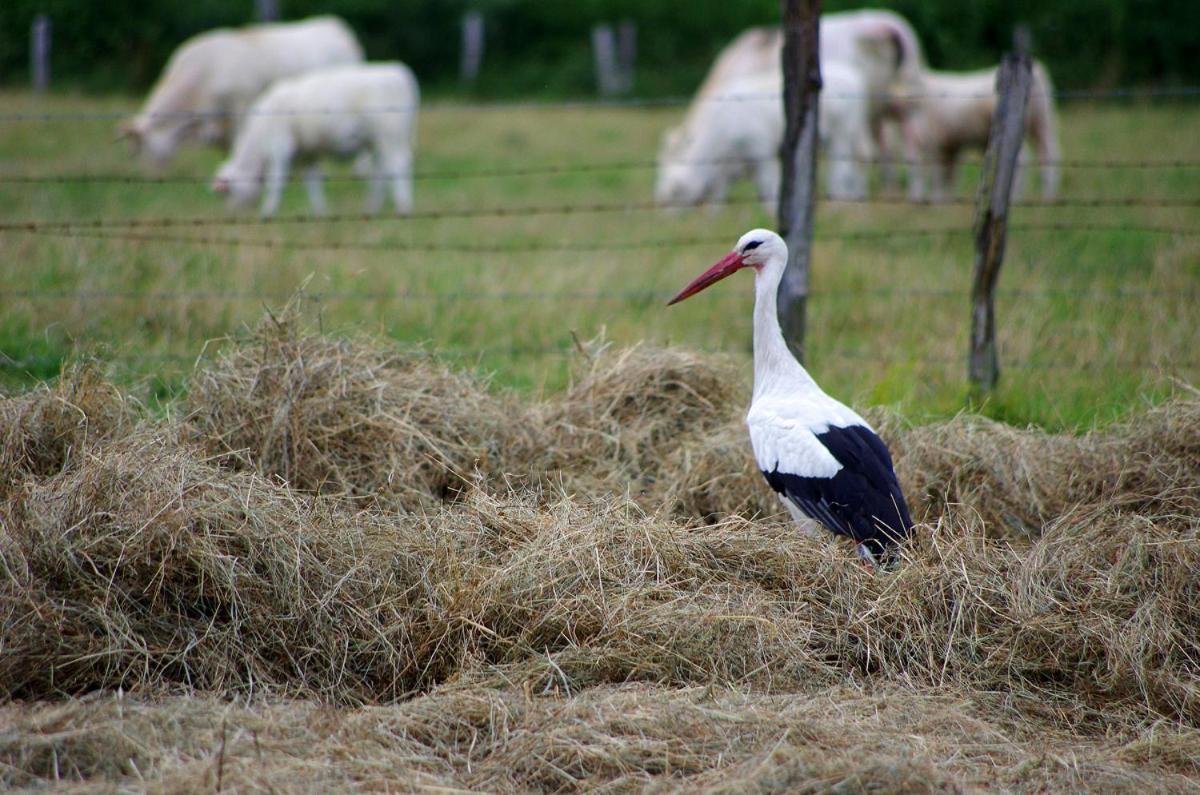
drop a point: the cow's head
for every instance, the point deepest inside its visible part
(682, 180)
(239, 186)
(155, 144)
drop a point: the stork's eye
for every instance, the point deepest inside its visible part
(752, 244)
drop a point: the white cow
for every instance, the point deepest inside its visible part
(368, 110)
(212, 78)
(953, 111)
(881, 44)
(738, 135)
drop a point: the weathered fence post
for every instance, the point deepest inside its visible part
(267, 10)
(39, 52)
(991, 214)
(604, 49)
(798, 153)
(472, 45)
(626, 53)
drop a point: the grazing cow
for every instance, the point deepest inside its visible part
(211, 79)
(368, 110)
(738, 135)
(881, 44)
(953, 111)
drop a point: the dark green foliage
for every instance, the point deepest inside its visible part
(542, 47)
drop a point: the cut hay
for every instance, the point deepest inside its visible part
(48, 429)
(627, 410)
(148, 567)
(1018, 480)
(145, 565)
(636, 616)
(609, 739)
(350, 418)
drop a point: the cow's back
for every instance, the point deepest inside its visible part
(260, 55)
(347, 103)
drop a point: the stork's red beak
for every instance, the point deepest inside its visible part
(733, 261)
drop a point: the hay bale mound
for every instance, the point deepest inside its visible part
(1018, 480)
(351, 419)
(715, 477)
(47, 429)
(627, 410)
(147, 566)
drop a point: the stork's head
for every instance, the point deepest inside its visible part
(760, 249)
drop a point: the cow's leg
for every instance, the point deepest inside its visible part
(913, 157)
(314, 184)
(846, 178)
(398, 168)
(1020, 175)
(276, 178)
(371, 167)
(716, 191)
(944, 171)
(766, 179)
(883, 152)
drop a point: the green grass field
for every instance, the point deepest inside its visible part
(1091, 323)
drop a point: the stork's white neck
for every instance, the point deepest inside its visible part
(775, 368)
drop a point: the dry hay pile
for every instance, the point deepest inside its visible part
(1020, 479)
(558, 635)
(46, 430)
(626, 410)
(351, 419)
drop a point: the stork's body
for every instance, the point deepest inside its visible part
(825, 461)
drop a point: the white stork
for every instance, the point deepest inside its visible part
(823, 459)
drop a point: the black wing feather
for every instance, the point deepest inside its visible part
(863, 500)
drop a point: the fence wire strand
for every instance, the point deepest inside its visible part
(559, 169)
(39, 225)
(1166, 92)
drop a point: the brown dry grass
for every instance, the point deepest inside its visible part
(612, 739)
(410, 581)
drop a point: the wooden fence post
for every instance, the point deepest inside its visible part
(991, 215)
(39, 52)
(604, 49)
(798, 153)
(626, 53)
(267, 10)
(472, 45)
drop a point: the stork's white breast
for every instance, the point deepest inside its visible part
(783, 433)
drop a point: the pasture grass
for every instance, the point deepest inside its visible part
(888, 314)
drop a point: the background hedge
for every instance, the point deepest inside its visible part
(542, 47)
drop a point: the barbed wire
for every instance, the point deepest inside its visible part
(473, 248)
(559, 170)
(39, 225)
(513, 248)
(1166, 92)
(631, 295)
(134, 363)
